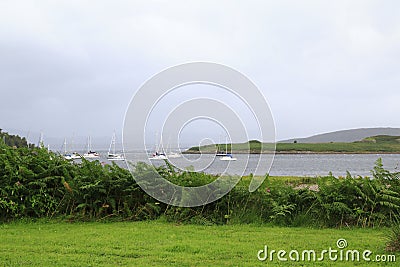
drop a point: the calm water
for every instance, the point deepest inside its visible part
(356, 164)
(285, 165)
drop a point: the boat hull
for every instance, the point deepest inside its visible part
(228, 158)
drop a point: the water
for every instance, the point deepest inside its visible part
(289, 164)
(338, 164)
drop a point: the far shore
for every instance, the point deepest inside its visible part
(299, 152)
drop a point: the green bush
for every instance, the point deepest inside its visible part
(37, 183)
(393, 238)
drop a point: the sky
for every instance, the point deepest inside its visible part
(72, 67)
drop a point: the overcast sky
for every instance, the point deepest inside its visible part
(71, 67)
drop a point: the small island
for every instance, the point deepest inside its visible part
(380, 144)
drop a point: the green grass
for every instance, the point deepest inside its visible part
(156, 243)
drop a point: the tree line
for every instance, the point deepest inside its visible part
(13, 140)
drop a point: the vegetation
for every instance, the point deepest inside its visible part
(382, 139)
(156, 243)
(394, 238)
(13, 140)
(359, 147)
(374, 144)
(35, 183)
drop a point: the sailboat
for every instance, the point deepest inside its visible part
(67, 155)
(111, 151)
(90, 154)
(228, 156)
(158, 155)
(172, 154)
(218, 152)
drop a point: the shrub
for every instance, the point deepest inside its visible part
(394, 238)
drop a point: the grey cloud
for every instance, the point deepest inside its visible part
(73, 66)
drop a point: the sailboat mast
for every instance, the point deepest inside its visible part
(40, 144)
(72, 143)
(161, 144)
(27, 138)
(113, 143)
(65, 146)
(156, 143)
(109, 149)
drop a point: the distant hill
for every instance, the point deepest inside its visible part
(346, 136)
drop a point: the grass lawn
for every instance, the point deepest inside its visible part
(157, 243)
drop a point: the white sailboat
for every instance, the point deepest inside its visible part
(228, 156)
(159, 153)
(218, 152)
(112, 155)
(67, 155)
(172, 154)
(90, 154)
(158, 156)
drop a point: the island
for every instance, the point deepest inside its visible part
(380, 144)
